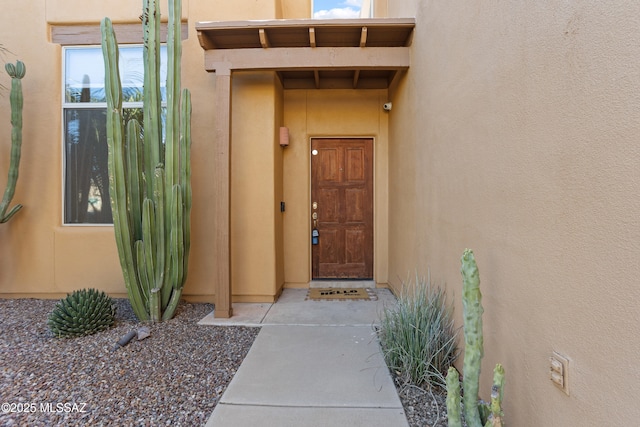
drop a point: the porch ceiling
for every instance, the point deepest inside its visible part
(312, 54)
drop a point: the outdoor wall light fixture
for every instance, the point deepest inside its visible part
(284, 136)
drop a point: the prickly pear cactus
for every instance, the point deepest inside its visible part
(82, 312)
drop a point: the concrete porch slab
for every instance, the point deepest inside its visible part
(244, 314)
(292, 308)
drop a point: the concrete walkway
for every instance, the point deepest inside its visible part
(314, 363)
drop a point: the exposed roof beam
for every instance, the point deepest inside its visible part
(363, 37)
(205, 41)
(329, 83)
(264, 40)
(394, 79)
(304, 58)
(312, 37)
(409, 39)
(356, 75)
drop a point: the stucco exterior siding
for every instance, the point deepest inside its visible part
(51, 259)
(514, 132)
(519, 126)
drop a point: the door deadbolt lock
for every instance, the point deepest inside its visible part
(315, 215)
(314, 205)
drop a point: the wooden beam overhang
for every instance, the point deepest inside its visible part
(301, 58)
(308, 53)
(305, 54)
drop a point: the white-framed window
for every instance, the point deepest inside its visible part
(85, 175)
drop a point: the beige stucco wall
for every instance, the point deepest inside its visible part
(42, 257)
(330, 113)
(515, 133)
(255, 187)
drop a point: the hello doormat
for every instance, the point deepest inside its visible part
(331, 294)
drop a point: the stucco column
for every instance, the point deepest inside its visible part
(221, 191)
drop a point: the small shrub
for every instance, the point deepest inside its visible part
(417, 335)
(83, 312)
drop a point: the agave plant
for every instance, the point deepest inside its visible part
(82, 312)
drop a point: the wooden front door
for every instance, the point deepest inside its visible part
(342, 208)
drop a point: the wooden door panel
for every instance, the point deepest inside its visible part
(329, 166)
(329, 205)
(342, 188)
(355, 165)
(330, 249)
(355, 210)
(354, 239)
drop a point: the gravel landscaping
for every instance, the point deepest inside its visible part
(174, 377)
(424, 408)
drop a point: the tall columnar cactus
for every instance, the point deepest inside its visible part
(150, 181)
(476, 413)
(16, 72)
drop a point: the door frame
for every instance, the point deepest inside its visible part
(309, 201)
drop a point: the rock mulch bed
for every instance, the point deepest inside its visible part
(424, 408)
(174, 377)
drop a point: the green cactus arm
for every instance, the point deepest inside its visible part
(113, 87)
(159, 229)
(185, 180)
(117, 168)
(484, 411)
(177, 237)
(474, 350)
(152, 99)
(173, 143)
(154, 242)
(498, 381)
(121, 224)
(174, 55)
(172, 305)
(14, 210)
(175, 248)
(148, 262)
(135, 176)
(143, 274)
(497, 391)
(453, 398)
(16, 100)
